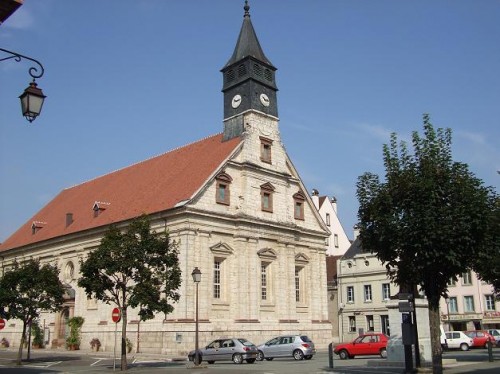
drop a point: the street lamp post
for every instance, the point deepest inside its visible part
(447, 300)
(196, 278)
(32, 98)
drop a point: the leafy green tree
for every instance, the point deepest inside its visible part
(138, 268)
(487, 264)
(429, 221)
(27, 290)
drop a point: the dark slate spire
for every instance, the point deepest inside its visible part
(248, 44)
(249, 79)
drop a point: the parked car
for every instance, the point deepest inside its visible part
(480, 338)
(228, 349)
(366, 344)
(457, 339)
(496, 334)
(297, 346)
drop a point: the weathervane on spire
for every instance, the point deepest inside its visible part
(247, 9)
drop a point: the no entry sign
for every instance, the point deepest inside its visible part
(2, 323)
(116, 316)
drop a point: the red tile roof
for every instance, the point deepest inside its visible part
(150, 186)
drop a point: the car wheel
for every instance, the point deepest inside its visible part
(343, 354)
(308, 357)
(298, 355)
(260, 356)
(464, 347)
(269, 358)
(237, 359)
(251, 360)
(211, 362)
(383, 353)
(197, 359)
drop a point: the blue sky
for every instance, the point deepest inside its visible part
(130, 79)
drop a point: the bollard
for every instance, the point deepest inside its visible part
(490, 351)
(330, 355)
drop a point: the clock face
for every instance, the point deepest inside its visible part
(236, 101)
(264, 99)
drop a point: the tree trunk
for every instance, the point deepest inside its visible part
(124, 339)
(20, 351)
(437, 351)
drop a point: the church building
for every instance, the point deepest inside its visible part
(238, 209)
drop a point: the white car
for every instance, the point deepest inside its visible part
(457, 339)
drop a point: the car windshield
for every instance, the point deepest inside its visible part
(245, 342)
(305, 338)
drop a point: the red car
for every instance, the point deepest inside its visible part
(366, 344)
(480, 338)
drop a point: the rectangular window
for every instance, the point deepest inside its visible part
(386, 291)
(468, 304)
(453, 305)
(222, 193)
(350, 294)
(384, 321)
(370, 326)
(217, 279)
(267, 201)
(368, 292)
(466, 279)
(452, 282)
(328, 219)
(263, 281)
(297, 285)
(489, 302)
(336, 240)
(327, 241)
(352, 324)
(265, 150)
(299, 209)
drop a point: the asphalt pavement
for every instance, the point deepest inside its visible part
(74, 362)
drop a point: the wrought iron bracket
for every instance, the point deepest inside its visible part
(33, 71)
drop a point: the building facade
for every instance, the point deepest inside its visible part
(235, 205)
(364, 291)
(337, 243)
(471, 305)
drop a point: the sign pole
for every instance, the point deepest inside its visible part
(116, 316)
(114, 349)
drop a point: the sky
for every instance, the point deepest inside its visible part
(127, 80)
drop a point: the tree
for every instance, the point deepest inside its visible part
(429, 221)
(487, 264)
(137, 268)
(27, 290)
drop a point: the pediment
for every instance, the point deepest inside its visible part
(301, 259)
(222, 249)
(267, 253)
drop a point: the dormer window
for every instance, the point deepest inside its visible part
(265, 149)
(99, 207)
(266, 197)
(222, 195)
(299, 201)
(37, 226)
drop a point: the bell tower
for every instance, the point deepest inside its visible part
(248, 80)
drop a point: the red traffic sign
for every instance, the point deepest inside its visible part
(2, 323)
(116, 316)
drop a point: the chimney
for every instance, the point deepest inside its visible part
(69, 219)
(356, 231)
(315, 198)
(334, 204)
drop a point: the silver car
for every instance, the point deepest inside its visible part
(297, 346)
(227, 349)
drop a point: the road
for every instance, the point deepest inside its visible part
(52, 361)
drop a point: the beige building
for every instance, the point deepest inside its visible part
(238, 209)
(364, 291)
